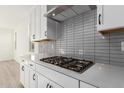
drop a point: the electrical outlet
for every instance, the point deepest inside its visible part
(122, 46)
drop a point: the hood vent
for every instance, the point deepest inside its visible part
(64, 12)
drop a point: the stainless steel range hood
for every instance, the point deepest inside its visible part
(63, 12)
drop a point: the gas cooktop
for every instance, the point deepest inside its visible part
(76, 65)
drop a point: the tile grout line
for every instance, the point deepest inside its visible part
(83, 36)
(74, 36)
(94, 33)
(109, 48)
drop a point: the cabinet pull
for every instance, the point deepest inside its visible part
(47, 85)
(45, 33)
(33, 36)
(34, 77)
(31, 65)
(100, 19)
(50, 86)
(22, 68)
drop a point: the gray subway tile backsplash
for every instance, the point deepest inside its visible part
(79, 38)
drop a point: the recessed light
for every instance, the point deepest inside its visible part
(53, 14)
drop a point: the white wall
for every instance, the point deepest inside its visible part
(6, 44)
(22, 40)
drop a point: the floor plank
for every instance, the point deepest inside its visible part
(9, 75)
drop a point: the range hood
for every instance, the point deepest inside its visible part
(60, 13)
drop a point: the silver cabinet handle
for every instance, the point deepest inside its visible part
(34, 76)
(45, 33)
(50, 86)
(33, 36)
(31, 65)
(22, 68)
(47, 86)
(99, 19)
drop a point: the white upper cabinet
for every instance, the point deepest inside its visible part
(41, 27)
(99, 17)
(48, 26)
(110, 16)
(43, 21)
(38, 21)
(32, 24)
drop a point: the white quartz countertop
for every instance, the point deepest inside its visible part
(99, 75)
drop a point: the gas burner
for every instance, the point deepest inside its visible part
(76, 65)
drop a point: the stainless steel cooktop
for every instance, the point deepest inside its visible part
(73, 64)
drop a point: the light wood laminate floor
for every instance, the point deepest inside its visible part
(9, 75)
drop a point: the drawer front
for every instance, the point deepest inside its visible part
(43, 82)
(84, 85)
(31, 65)
(57, 77)
(23, 61)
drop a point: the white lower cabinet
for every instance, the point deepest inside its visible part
(42, 81)
(84, 85)
(42, 77)
(59, 78)
(27, 70)
(22, 74)
(28, 78)
(33, 79)
(46, 83)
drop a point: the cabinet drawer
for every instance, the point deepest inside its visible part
(84, 85)
(57, 77)
(46, 83)
(23, 61)
(31, 65)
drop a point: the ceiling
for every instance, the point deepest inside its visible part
(12, 15)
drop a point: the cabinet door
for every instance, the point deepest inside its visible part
(59, 78)
(33, 79)
(42, 81)
(84, 85)
(43, 22)
(46, 83)
(22, 74)
(99, 17)
(38, 21)
(113, 16)
(33, 23)
(27, 71)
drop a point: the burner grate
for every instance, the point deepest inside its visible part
(69, 63)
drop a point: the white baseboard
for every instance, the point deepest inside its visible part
(6, 60)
